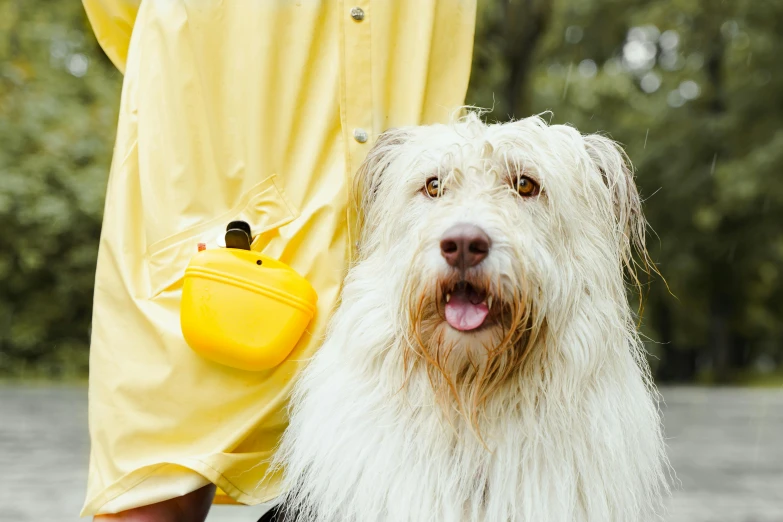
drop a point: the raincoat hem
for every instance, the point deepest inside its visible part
(133, 479)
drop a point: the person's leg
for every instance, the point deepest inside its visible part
(278, 514)
(192, 507)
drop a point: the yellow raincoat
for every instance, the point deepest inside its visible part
(252, 109)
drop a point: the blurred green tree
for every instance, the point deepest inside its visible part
(58, 99)
(693, 90)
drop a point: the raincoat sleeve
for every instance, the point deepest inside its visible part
(112, 22)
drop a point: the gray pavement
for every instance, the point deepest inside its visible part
(726, 446)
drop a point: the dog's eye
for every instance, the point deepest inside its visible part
(432, 187)
(526, 187)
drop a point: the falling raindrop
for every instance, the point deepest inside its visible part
(645, 138)
(567, 81)
(714, 160)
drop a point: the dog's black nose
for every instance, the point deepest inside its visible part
(464, 246)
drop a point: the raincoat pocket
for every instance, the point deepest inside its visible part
(264, 207)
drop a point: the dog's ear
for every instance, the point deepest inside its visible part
(370, 173)
(614, 166)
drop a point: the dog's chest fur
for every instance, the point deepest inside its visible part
(367, 450)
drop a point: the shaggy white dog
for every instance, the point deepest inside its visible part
(483, 364)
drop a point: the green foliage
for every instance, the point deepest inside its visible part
(58, 99)
(691, 88)
(694, 91)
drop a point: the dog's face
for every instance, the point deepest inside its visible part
(490, 235)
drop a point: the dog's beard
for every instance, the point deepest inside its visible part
(465, 369)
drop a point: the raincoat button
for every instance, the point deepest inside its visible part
(357, 13)
(360, 135)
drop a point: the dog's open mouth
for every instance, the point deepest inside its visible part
(467, 307)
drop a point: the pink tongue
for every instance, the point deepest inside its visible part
(463, 315)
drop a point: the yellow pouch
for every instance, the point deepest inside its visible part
(243, 309)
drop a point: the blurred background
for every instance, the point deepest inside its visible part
(692, 88)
